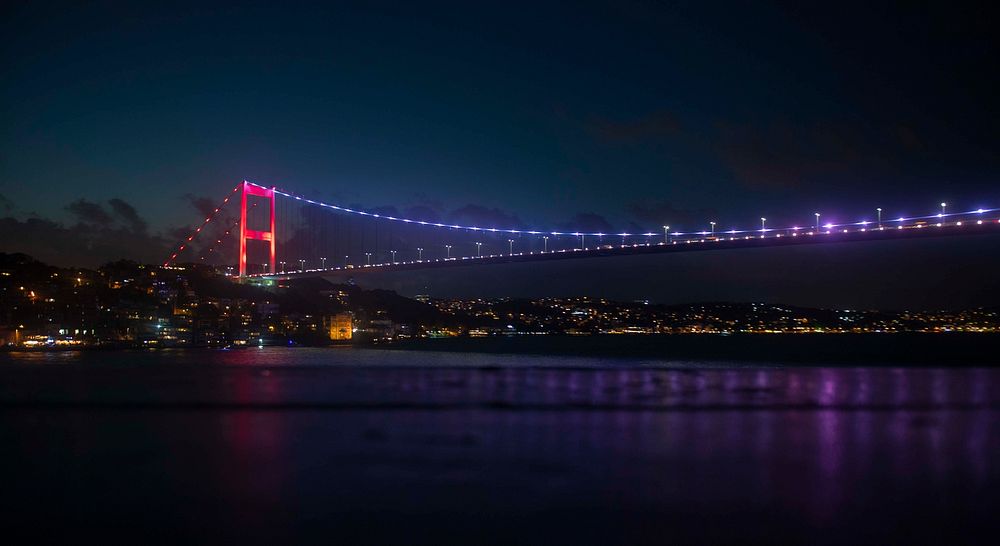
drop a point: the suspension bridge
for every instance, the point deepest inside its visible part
(278, 234)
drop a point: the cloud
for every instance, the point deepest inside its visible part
(6, 204)
(422, 213)
(588, 222)
(478, 215)
(792, 153)
(127, 213)
(780, 153)
(659, 213)
(84, 244)
(95, 235)
(204, 205)
(651, 126)
(386, 210)
(88, 212)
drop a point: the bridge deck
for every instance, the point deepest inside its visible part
(721, 242)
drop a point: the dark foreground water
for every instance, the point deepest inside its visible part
(356, 446)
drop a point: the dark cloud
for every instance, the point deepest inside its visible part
(85, 244)
(655, 125)
(88, 212)
(659, 213)
(588, 222)
(204, 205)
(386, 210)
(791, 154)
(478, 215)
(6, 205)
(422, 213)
(127, 213)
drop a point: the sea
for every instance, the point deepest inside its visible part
(831, 439)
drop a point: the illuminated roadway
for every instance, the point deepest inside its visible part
(977, 224)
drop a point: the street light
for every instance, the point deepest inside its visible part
(511, 243)
(879, 210)
(282, 267)
(420, 254)
(302, 265)
(345, 261)
(817, 222)
(448, 251)
(713, 228)
(369, 256)
(943, 206)
(762, 230)
(322, 262)
(479, 250)
(393, 252)
(666, 235)
(545, 244)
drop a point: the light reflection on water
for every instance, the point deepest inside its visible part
(320, 443)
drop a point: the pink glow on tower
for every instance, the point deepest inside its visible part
(246, 234)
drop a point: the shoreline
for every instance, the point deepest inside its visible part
(903, 348)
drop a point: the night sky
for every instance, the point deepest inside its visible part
(120, 120)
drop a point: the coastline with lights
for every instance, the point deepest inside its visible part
(130, 305)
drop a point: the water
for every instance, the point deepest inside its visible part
(386, 446)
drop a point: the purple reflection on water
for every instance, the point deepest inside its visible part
(269, 443)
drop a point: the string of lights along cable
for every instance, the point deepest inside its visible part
(294, 235)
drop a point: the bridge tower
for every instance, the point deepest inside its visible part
(252, 234)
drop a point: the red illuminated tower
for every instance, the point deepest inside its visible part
(247, 234)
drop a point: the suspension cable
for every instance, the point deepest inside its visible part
(202, 226)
